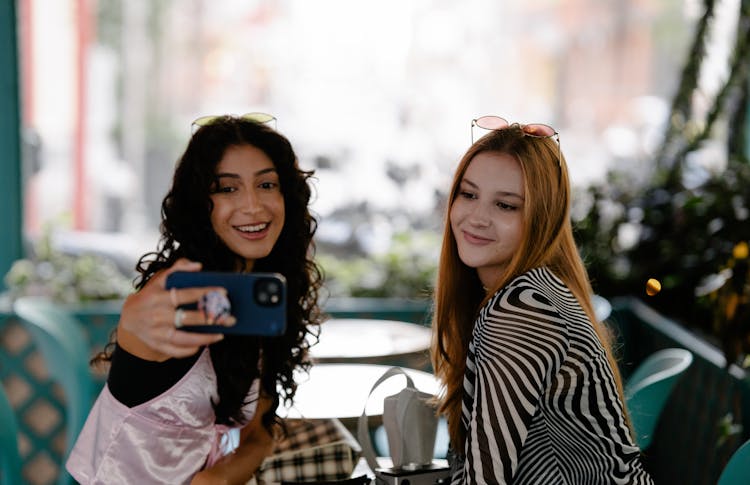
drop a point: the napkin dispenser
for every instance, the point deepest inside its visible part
(411, 428)
(427, 475)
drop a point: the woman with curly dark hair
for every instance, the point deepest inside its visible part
(175, 400)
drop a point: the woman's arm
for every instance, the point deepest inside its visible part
(520, 343)
(256, 443)
(147, 321)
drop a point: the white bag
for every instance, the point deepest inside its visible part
(410, 424)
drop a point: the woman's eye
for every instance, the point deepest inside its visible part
(223, 190)
(507, 207)
(467, 195)
(268, 185)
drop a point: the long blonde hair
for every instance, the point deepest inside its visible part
(547, 240)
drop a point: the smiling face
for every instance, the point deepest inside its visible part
(487, 215)
(248, 206)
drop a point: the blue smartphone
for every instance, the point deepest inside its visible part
(258, 300)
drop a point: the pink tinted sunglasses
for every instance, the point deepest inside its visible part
(537, 130)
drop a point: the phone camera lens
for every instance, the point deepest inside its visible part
(268, 292)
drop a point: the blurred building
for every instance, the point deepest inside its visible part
(376, 96)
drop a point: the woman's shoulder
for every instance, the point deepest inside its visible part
(541, 279)
(533, 290)
(526, 313)
(537, 279)
(551, 295)
(133, 380)
(538, 291)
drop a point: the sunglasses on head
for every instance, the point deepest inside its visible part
(255, 117)
(536, 130)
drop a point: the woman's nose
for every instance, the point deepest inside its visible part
(251, 202)
(479, 216)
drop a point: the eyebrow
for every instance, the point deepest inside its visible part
(499, 192)
(236, 176)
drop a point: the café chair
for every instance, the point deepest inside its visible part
(10, 461)
(63, 344)
(649, 387)
(737, 469)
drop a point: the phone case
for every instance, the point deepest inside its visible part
(258, 300)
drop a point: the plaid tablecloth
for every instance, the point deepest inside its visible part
(314, 450)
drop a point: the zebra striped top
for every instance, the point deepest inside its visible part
(540, 403)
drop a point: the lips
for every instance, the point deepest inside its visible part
(253, 231)
(474, 239)
(252, 228)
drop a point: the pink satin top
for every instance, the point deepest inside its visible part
(165, 440)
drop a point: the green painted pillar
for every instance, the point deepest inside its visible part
(10, 141)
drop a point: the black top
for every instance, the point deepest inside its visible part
(133, 381)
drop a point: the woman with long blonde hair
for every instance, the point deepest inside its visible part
(531, 391)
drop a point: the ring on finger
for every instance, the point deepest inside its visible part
(179, 316)
(173, 297)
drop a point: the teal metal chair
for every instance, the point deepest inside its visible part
(649, 387)
(63, 344)
(10, 461)
(737, 469)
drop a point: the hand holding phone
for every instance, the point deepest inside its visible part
(256, 300)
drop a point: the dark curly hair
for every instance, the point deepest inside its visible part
(186, 231)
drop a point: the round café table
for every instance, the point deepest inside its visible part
(371, 341)
(341, 390)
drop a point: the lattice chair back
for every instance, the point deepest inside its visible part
(10, 461)
(63, 344)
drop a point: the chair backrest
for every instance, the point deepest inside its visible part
(737, 469)
(10, 461)
(63, 344)
(649, 387)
